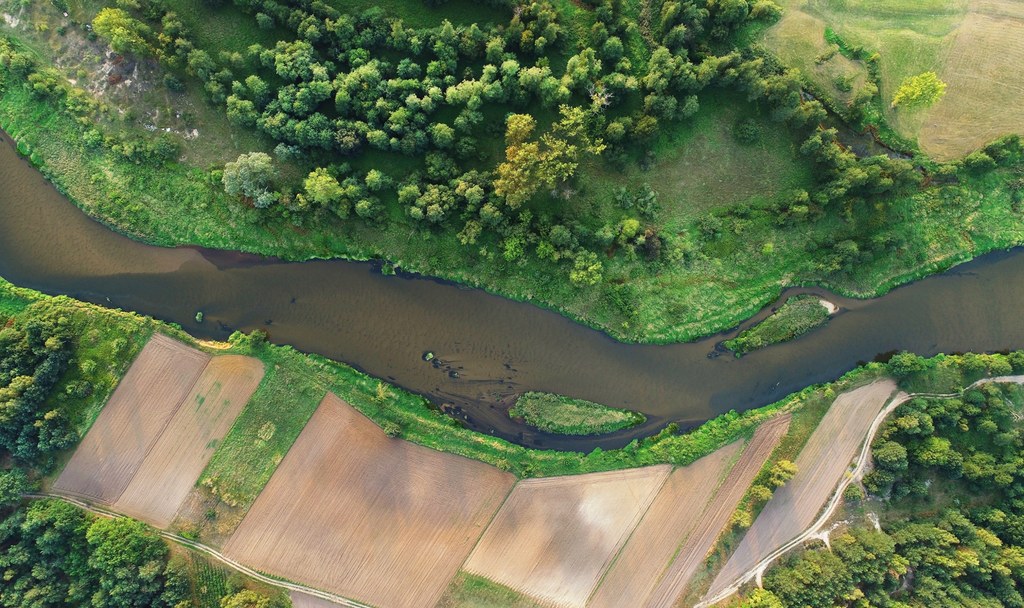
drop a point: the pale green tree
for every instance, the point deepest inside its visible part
(919, 91)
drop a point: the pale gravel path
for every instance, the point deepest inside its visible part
(863, 459)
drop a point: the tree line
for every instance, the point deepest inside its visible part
(949, 475)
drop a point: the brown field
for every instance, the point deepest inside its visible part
(379, 520)
(554, 537)
(820, 467)
(667, 524)
(715, 516)
(175, 462)
(986, 82)
(125, 431)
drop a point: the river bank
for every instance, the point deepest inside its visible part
(488, 349)
(176, 204)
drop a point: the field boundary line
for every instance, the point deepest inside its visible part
(629, 537)
(167, 423)
(462, 566)
(704, 510)
(861, 463)
(208, 551)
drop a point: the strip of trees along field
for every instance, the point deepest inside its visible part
(948, 473)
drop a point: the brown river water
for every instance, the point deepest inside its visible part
(490, 348)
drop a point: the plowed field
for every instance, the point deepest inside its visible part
(820, 466)
(673, 516)
(379, 520)
(555, 537)
(716, 515)
(177, 459)
(143, 403)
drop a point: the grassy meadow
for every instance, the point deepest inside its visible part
(974, 46)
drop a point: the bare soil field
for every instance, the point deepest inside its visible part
(986, 82)
(714, 518)
(379, 520)
(820, 467)
(554, 537)
(670, 520)
(140, 408)
(176, 461)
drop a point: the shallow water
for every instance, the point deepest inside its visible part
(383, 324)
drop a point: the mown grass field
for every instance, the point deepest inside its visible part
(974, 46)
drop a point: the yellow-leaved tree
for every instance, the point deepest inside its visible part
(919, 91)
(546, 161)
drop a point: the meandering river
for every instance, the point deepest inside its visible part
(490, 348)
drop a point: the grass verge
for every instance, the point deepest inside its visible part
(471, 591)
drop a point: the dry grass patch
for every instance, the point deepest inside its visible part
(359, 514)
(125, 431)
(714, 518)
(820, 467)
(174, 464)
(986, 82)
(667, 524)
(555, 536)
(799, 40)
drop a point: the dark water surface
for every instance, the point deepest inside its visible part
(499, 348)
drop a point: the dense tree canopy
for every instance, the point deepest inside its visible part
(951, 468)
(33, 355)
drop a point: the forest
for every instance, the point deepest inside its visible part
(945, 497)
(482, 140)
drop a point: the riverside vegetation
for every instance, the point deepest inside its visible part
(797, 316)
(331, 152)
(262, 433)
(567, 416)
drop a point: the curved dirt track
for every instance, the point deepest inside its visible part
(820, 465)
(727, 590)
(212, 553)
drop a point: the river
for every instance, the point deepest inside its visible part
(490, 348)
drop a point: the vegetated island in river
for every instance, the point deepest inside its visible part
(797, 316)
(567, 416)
(658, 182)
